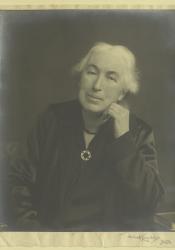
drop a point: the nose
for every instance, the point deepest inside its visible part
(97, 86)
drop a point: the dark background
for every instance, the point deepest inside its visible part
(40, 47)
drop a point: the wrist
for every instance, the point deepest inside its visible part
(119, 133)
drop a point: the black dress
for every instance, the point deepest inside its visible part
(53, 189)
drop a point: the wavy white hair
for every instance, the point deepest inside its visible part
(129, 75)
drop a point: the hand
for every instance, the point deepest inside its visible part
(121, 119)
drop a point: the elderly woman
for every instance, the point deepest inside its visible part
(91, 164)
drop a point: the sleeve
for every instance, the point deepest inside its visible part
(22, 175)
(134, 161)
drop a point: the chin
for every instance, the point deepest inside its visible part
(93, 108)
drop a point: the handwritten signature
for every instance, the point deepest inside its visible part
(153, 238)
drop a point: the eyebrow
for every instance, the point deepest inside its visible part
(92, 65)
(110, 72)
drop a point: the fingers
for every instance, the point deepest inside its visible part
(121, 119)
(118, 107)
(116, 110)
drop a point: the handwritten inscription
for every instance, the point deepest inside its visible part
(165, 242)
(149, 238)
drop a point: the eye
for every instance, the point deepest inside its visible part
(112, 78)
(91, 72)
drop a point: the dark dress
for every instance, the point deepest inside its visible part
(53, 189)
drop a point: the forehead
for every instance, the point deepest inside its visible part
(108, 60)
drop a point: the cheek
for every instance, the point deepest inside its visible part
(83, 88)
(84, 84)
(112, 93)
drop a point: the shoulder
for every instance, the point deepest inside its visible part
(56, 117)
(59, 113)
(62, 108)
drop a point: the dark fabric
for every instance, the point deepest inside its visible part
(53, 189)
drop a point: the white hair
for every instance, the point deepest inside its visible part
(129, 76)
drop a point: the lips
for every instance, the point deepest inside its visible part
(93, 97)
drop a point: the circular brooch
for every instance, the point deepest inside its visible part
(86, 155)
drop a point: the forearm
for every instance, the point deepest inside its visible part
(136, 169)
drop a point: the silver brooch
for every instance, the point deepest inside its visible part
(86, 155)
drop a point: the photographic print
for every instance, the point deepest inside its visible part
(87, 120)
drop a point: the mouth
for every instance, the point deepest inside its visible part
(95, 98)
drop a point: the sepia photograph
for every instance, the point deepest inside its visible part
(87, 120)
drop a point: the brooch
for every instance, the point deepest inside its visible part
(86, 155)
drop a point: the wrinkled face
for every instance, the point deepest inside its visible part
(100, 83)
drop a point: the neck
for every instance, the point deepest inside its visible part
(92, 121)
